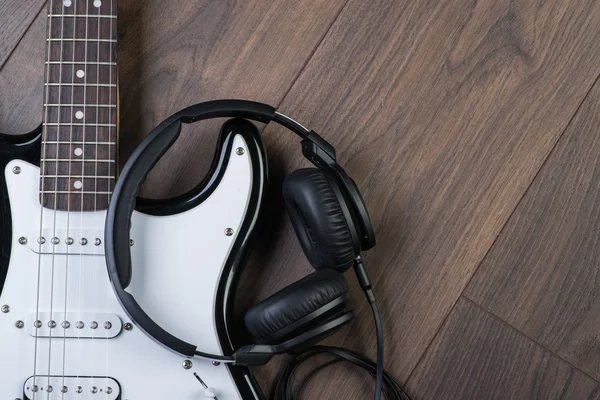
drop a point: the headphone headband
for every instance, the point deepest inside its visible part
(145, 157)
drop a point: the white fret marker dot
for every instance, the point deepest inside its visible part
(68, 3)
(97, 3)
(78, 151)
(80, 73)
(79, 114)
(78, 185)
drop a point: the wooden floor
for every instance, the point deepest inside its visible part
(472, 128)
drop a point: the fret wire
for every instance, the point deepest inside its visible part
(78, 124)
(80, 176)
(82, 62)
(81, 40)
(76, 142)
(73, 192)
(78, 161)
(81, 16)
(80, 84)
(80, 105)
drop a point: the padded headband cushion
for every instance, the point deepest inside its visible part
(266, 320)
(318, 220)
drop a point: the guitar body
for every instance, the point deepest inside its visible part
(187, 254)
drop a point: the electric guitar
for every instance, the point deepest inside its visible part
(63, 334)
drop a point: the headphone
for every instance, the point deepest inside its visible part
(327, 212)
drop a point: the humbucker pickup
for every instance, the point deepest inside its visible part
(74, 325)
(71, 388)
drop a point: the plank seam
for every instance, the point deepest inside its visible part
(535, 342)
(462, 293)
(311, 55)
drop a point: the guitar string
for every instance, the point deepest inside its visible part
(69, 199)
(53, 262)
(42, 195)
(82, 354)
(97, 127)
(110, 22)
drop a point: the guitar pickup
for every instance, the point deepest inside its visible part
(74, 325)
(72, 241)
(71, 388)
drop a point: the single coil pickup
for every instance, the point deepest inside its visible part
(71, 388)
(74, 325)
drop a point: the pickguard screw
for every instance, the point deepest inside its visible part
(107, 325)
(239, 151)
(69, 241)
(66, 324)
(131, 242)
(22, 240)
(19, 324)
(5, 309)
(16, 170)
(52, 324)
(83, 241)
(128, 326)
(187, 364)
(216, 363)
(97, 242)
(55, 240)
(229, 231)
(41, 240)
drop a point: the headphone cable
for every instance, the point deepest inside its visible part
(385, 383)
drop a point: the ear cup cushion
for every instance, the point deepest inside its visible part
(318, 219)
(266, 320)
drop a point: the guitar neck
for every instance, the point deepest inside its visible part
(79, 142)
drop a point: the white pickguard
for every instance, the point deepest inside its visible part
(177, 264)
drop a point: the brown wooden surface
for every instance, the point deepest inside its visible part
(543, 274)
(443, 112)
(477, 356)
(15, 18)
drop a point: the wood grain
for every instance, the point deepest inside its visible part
(173, 55)
(476, 356)
(22, 81)
(443, 112)
(543, 275)
(15, 18)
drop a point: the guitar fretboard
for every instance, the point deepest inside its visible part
(79, 148)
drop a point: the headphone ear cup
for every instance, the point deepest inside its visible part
(318, 220)
(297, 308)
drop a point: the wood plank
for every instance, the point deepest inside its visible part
(542, 275)
(22, 81)
(443, 112)
(15, 18)
(476, 356)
